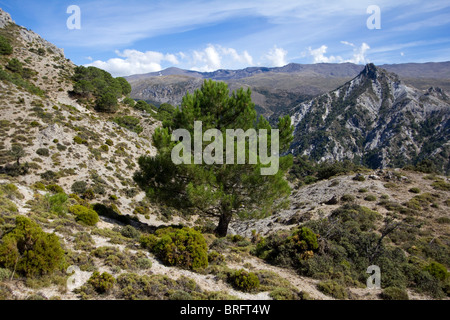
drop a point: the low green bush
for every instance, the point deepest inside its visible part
(84, 215)
(185, 248)
(370, 197)
(333, 289)
(29, 251)
(393, 293)
(244, 280)
(43, 152)
(414, 190)
(437, 270)
(79, 187)
(102, 283)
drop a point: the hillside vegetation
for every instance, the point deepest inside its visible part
(75, 225)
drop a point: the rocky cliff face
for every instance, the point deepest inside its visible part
(375, 119)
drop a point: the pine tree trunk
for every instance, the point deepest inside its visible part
(224, 221)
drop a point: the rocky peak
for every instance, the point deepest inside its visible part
(5, 18)
(370, 71)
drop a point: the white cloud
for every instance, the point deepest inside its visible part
(134, 62)
(216, 57)
(319, 55)
(358, 56)
(277, 57)
(209, 59)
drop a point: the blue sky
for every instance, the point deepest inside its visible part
(140, 36)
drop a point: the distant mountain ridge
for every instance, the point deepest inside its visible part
(436, 70)
(276, 90)
(377, 120)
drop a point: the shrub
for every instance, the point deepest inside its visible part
(30, 251)
(130, 123)
(441, 185)
(14, 65)
(437, 270)
(332, 288)
(84, 215)
(185, 248)
(285, 250)
(49, 175)
(54, 188)
(130, 232)
(104, 148)
(43, 152)
(347, 198)
(79, 140)
(79, 187)
(109, 142)
(102, 283)
(370, 197)
(359, 177)
(107, 103)
(5, 46)
(394, 293)
(414, 190)
(245, 281)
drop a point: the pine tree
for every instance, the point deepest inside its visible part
(220, 190)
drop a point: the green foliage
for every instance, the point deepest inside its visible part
(414, 190)
(144, 106)
(130, 232)
(84, 215)
(5, 46)
(17, 152)
(348, 198)
(359, 178)
(288, 250)
(370, 197)
(129, 102)
(102, 283)
(57, 203)
(165, 113)
(185, 248)
(437, 270)
(129, 122)
(79, 187)
(15, 66)
(244, 280)
(394, 293)
(306, 171)
(43, 152)
(29, 251)
(79, 140)
(109, 142)
(17, 79)
(334, 289)
(95, 83)
(107, 103)
(441, 185)
(227, 189)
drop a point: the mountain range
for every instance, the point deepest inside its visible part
(275, 90)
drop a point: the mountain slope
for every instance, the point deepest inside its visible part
(375, 119)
